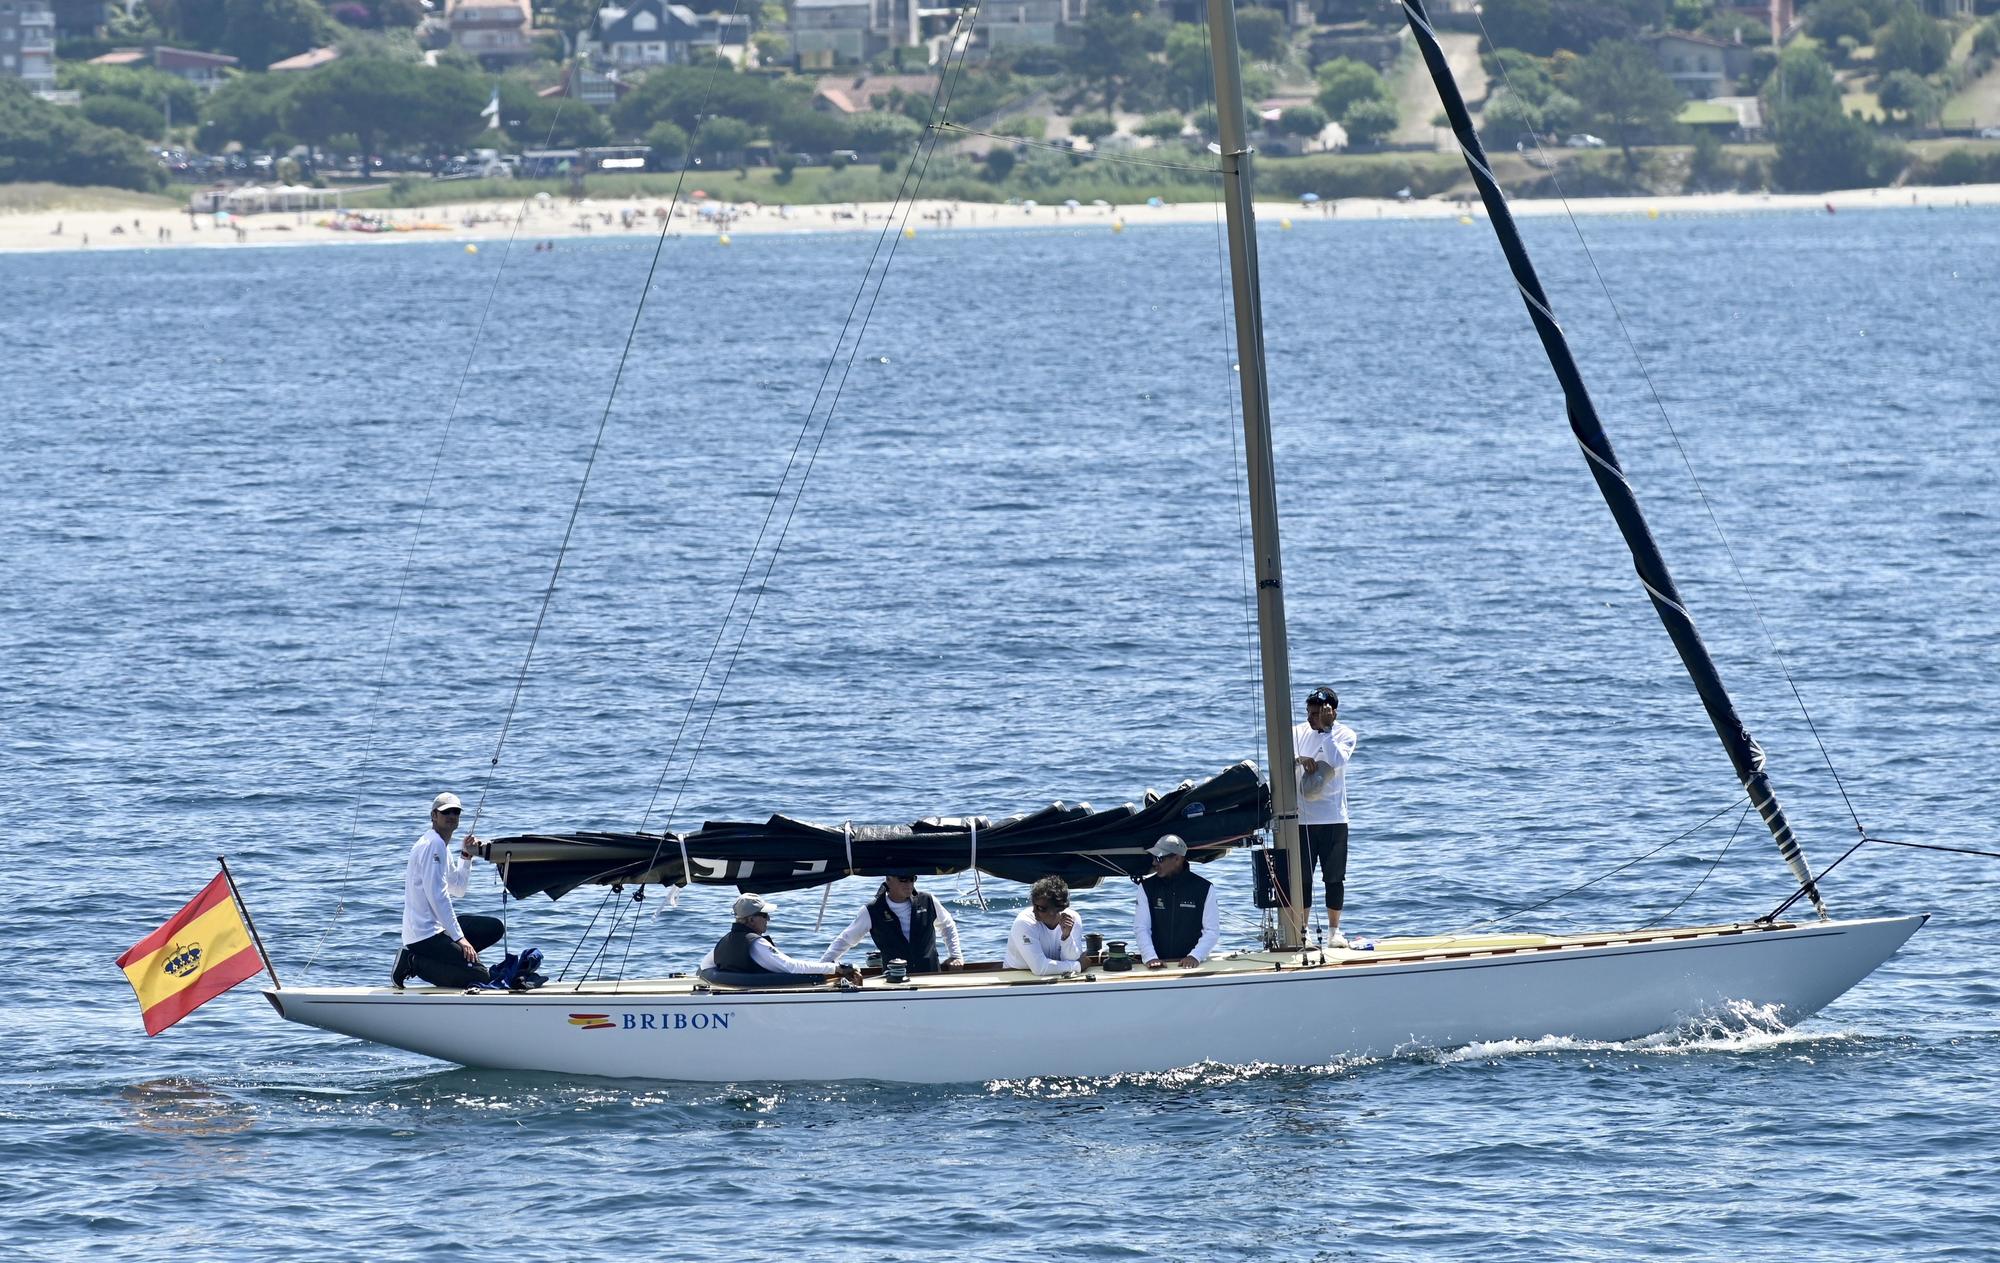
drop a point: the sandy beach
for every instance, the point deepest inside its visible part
(549, 220)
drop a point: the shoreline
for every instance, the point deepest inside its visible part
(548, 220)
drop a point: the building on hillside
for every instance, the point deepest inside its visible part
(1025, 23)
(1951, 8)
(1699, 66)
(646, 33)
(81, 19)
(582, 82)
(828, 33)
(1780, 16)
(312, 59)
(207, 71)
(838, 94)
(28, 44)
(493, 30)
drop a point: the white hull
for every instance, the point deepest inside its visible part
(1241, 1010)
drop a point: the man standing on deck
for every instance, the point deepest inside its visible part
(1176, 920)
(439, 946)
(747, 949)
(1324, 745)
(906, 925)
(1047, 937)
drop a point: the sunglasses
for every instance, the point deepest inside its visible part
(450, 811)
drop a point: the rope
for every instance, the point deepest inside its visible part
(403, 584)
(1733, 834)
(826, 890)
(1659, 405)
(1779, 911)
(978, 891)
(687, 872)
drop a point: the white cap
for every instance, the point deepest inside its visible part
(447, 801)
(1169, 844)
(747, 906)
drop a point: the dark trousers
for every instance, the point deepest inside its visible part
(438, 961)
(1326, 845)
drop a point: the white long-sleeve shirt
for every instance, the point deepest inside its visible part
(1142, 926)
(1032, 945)
(762, 951)
(858, 929)
(436, 874)
(1327, 803)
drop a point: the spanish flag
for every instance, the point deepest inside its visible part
(201, 952)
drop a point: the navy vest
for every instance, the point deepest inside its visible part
(1176, 904)
(732, 954)
(920, 947)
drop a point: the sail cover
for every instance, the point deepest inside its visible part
(1078, 844)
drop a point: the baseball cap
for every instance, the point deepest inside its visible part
(1324, 694)
(447, 801)
(1169, 844)
(747, 906)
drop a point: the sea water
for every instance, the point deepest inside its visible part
(277, 528)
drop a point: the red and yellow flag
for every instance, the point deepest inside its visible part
(202, 951)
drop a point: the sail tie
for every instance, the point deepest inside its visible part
(687, 873)
(978, 894)
(826, 891)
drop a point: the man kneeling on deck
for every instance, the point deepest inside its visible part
(1175, 922)
(748, 952)
(906, 925)
(440, 946)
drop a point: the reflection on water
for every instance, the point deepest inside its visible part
(184, 1107)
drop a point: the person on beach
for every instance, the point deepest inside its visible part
(1175, 921)
(1324, 745)
(906, 924)
(440, 946)
(747, 948)
(1047, 938)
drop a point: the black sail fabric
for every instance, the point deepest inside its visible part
(1078, 844)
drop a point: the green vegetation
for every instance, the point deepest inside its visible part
(39, 141)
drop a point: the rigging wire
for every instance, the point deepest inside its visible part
(1659, 404)
(1779, 911)
(409, 564)
(1740, 799)
(1713, 865)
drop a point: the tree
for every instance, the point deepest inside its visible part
(999, 163)
(1262, 32)
(669, 143)
(1343, 81)
(1705, 165)
(1367, 122)
(1163, 126)
(685, 95)
(383, 102)
(1801, 74)
(1304, 121)
(1522, 24)
(1916, 98)
(1912, 41)
(126, 115)
(135, 83)
(263, 31)
(249, 109)
(1626, 93)
(1112, 45)
(723, 137)
(569, 19)
(39, 141)
(881, 132)
(1093, 127)
(1509, 119)
(809, 131)
(1821, 146)
(1830, 21)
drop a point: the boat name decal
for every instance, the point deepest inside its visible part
(673, 1021)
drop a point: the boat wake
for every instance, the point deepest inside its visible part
(1736, 1027)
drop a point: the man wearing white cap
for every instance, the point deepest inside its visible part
(1175, 922)
(747, 949)
(439, 946)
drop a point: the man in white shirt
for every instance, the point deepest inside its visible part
(747, 953)
(907, 925)
(440, 946)
(1047, 937)
(1324, 745)
(1175, 921)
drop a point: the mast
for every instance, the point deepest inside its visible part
(1271, 640)
(1745, 755)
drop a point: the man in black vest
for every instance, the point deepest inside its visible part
(1176, 921)
(906, 925)
(747, 949)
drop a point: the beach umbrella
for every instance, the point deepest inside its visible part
(1308, 198)
(1156, 202)
(1071, 202)
(698, 194)
(1098, 201)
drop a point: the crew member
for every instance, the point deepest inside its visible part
(439, 946)
(1175, 920)
(747, 949)
(1324, 745)
(1047, 937)
(906, 925)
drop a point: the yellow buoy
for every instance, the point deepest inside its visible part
(1285, 224)
(908, 232)
(1465, 219)
(470, 248)
(1652, 212)
(723, 240)
(1118, 225)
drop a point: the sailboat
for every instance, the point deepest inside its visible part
(1288, 1004)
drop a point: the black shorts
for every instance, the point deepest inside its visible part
(1326, 845)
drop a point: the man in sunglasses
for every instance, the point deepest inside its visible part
(1047, 937)
(1176, 922)
(1324, 745)
(906, 924)
(439, 946)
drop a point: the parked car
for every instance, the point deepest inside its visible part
(1584, 140)
(1989, 133)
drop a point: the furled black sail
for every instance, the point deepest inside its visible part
(1077, 844)
(1744, 753)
